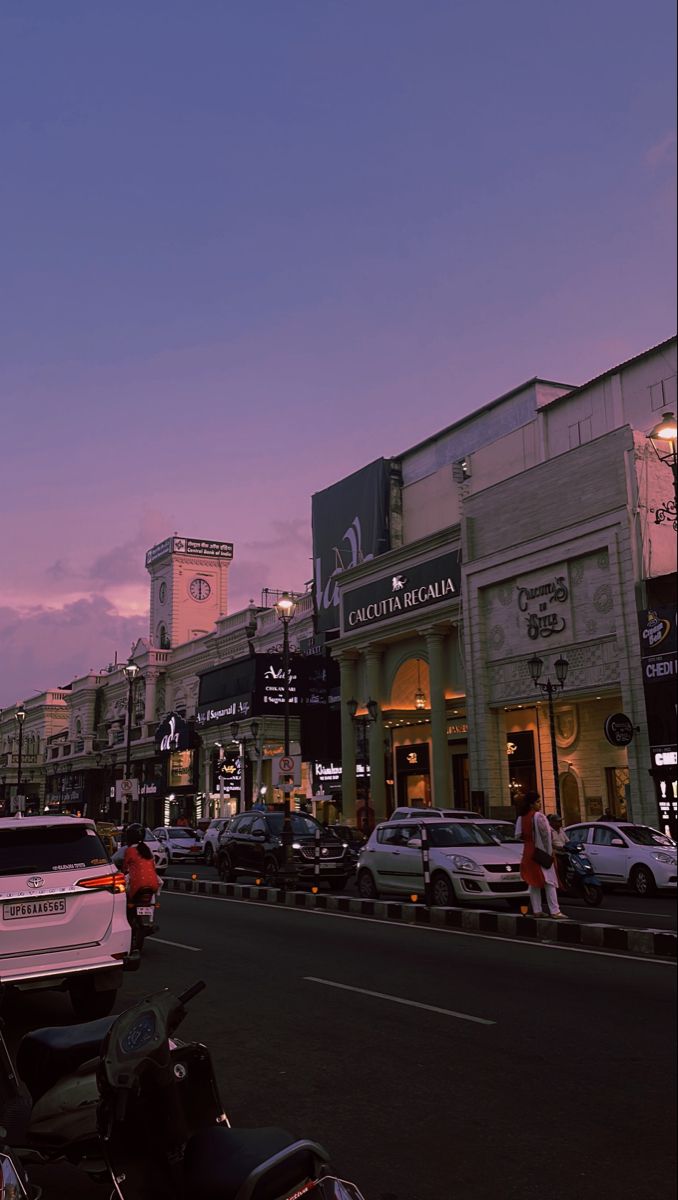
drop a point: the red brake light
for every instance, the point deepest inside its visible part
(104, 883)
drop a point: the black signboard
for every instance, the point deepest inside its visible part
(413, 760)
(660, 672)
(403, 593)
(173, 734)
(618, 729)
(350, 525)
(255, 686)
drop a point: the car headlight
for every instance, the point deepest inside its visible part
(466, 864)
(664, 858)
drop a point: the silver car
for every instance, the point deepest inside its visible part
(466, 863)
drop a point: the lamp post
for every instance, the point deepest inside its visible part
(664, 438)
(561, 666)
(20, 717)
(286, 608)
(130, 671)
(363, 723)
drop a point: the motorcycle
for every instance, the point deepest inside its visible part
(576, 875)
(130, 1104)
(142, 916)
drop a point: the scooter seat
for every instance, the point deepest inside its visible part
(219, 1161)
(46, 1055)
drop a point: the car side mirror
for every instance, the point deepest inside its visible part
(617, 842)
(258, 833)
(415, 843)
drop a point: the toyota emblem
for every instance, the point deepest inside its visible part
(35, 881)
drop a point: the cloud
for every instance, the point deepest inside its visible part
(46, 648)
(663, 152)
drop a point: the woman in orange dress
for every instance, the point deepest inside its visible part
(534, 830)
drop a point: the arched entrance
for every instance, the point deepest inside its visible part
(569, 798)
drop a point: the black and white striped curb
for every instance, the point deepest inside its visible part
(647, 943)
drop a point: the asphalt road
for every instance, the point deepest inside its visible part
(433, 1065)
(619, 907)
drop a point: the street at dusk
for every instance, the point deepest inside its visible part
(338, 602)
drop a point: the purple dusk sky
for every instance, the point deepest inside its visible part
(251, 245)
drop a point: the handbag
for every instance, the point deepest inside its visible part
(540, 856)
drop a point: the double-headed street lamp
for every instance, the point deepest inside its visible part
(664, 438)
(286, 607)
(130, 671)
(561, 667)
(19, 717)
(362, 723)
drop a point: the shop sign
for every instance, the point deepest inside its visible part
(174, 733)
(405, 592)
(618, 729)
(180, 769)
(193, 546)
(232, 710)
(327, 774)
(413, 759)
(541, 604)
(460, 729)
(658, 644)
(350, 526)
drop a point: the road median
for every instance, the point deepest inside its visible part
(644, 943)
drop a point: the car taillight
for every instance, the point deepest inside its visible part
(104, 883)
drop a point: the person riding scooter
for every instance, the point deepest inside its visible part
(138, 863)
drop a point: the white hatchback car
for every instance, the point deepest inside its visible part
(465, 862)
(623, 853)
(181, 843)
(63, 922)
(210, 841)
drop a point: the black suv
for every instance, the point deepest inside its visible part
(252, 845)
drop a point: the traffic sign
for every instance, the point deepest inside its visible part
(287, 764)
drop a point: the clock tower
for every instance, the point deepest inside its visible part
(189, 588)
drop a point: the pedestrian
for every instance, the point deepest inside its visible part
(534, 831)
(606, 816)
(559, 840)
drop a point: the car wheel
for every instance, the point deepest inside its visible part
(270, 873)
(367, 888)
(642, 881)
(338, 885)
(442, 891)
(209, 854)
(225, 868)
(88, 1004)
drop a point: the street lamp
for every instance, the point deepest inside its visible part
(664, 438)
(363, 723)
(20, 717)
(561, 666)
(130, 671)
(286, 607)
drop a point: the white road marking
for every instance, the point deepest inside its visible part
(446, 1012)
(489, 937)
(623, 912)
(180, 945)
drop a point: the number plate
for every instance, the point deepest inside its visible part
(18, 909)
(145, 912)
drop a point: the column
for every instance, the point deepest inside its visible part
(373, 658)
(440, 765)
(151, 680)
(348, 756)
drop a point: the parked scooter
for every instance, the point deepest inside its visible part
(128, 1103)
(576, 874)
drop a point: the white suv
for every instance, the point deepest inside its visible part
(63, 912)
(630, 854)
(466, 863)
(211, 839)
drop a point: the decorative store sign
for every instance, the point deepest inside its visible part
(195, 546)
(174, 733)
(181, 769)
(413, 759)
(541, 605)
(460, 729)
(404, 592)
(658, 644)
(618, 729)
(232, 710)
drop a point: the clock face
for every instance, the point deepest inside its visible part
(199, 589)
(162, 593)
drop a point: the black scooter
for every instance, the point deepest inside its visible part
(142, 914)
(128, 1103)
(576, 874)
